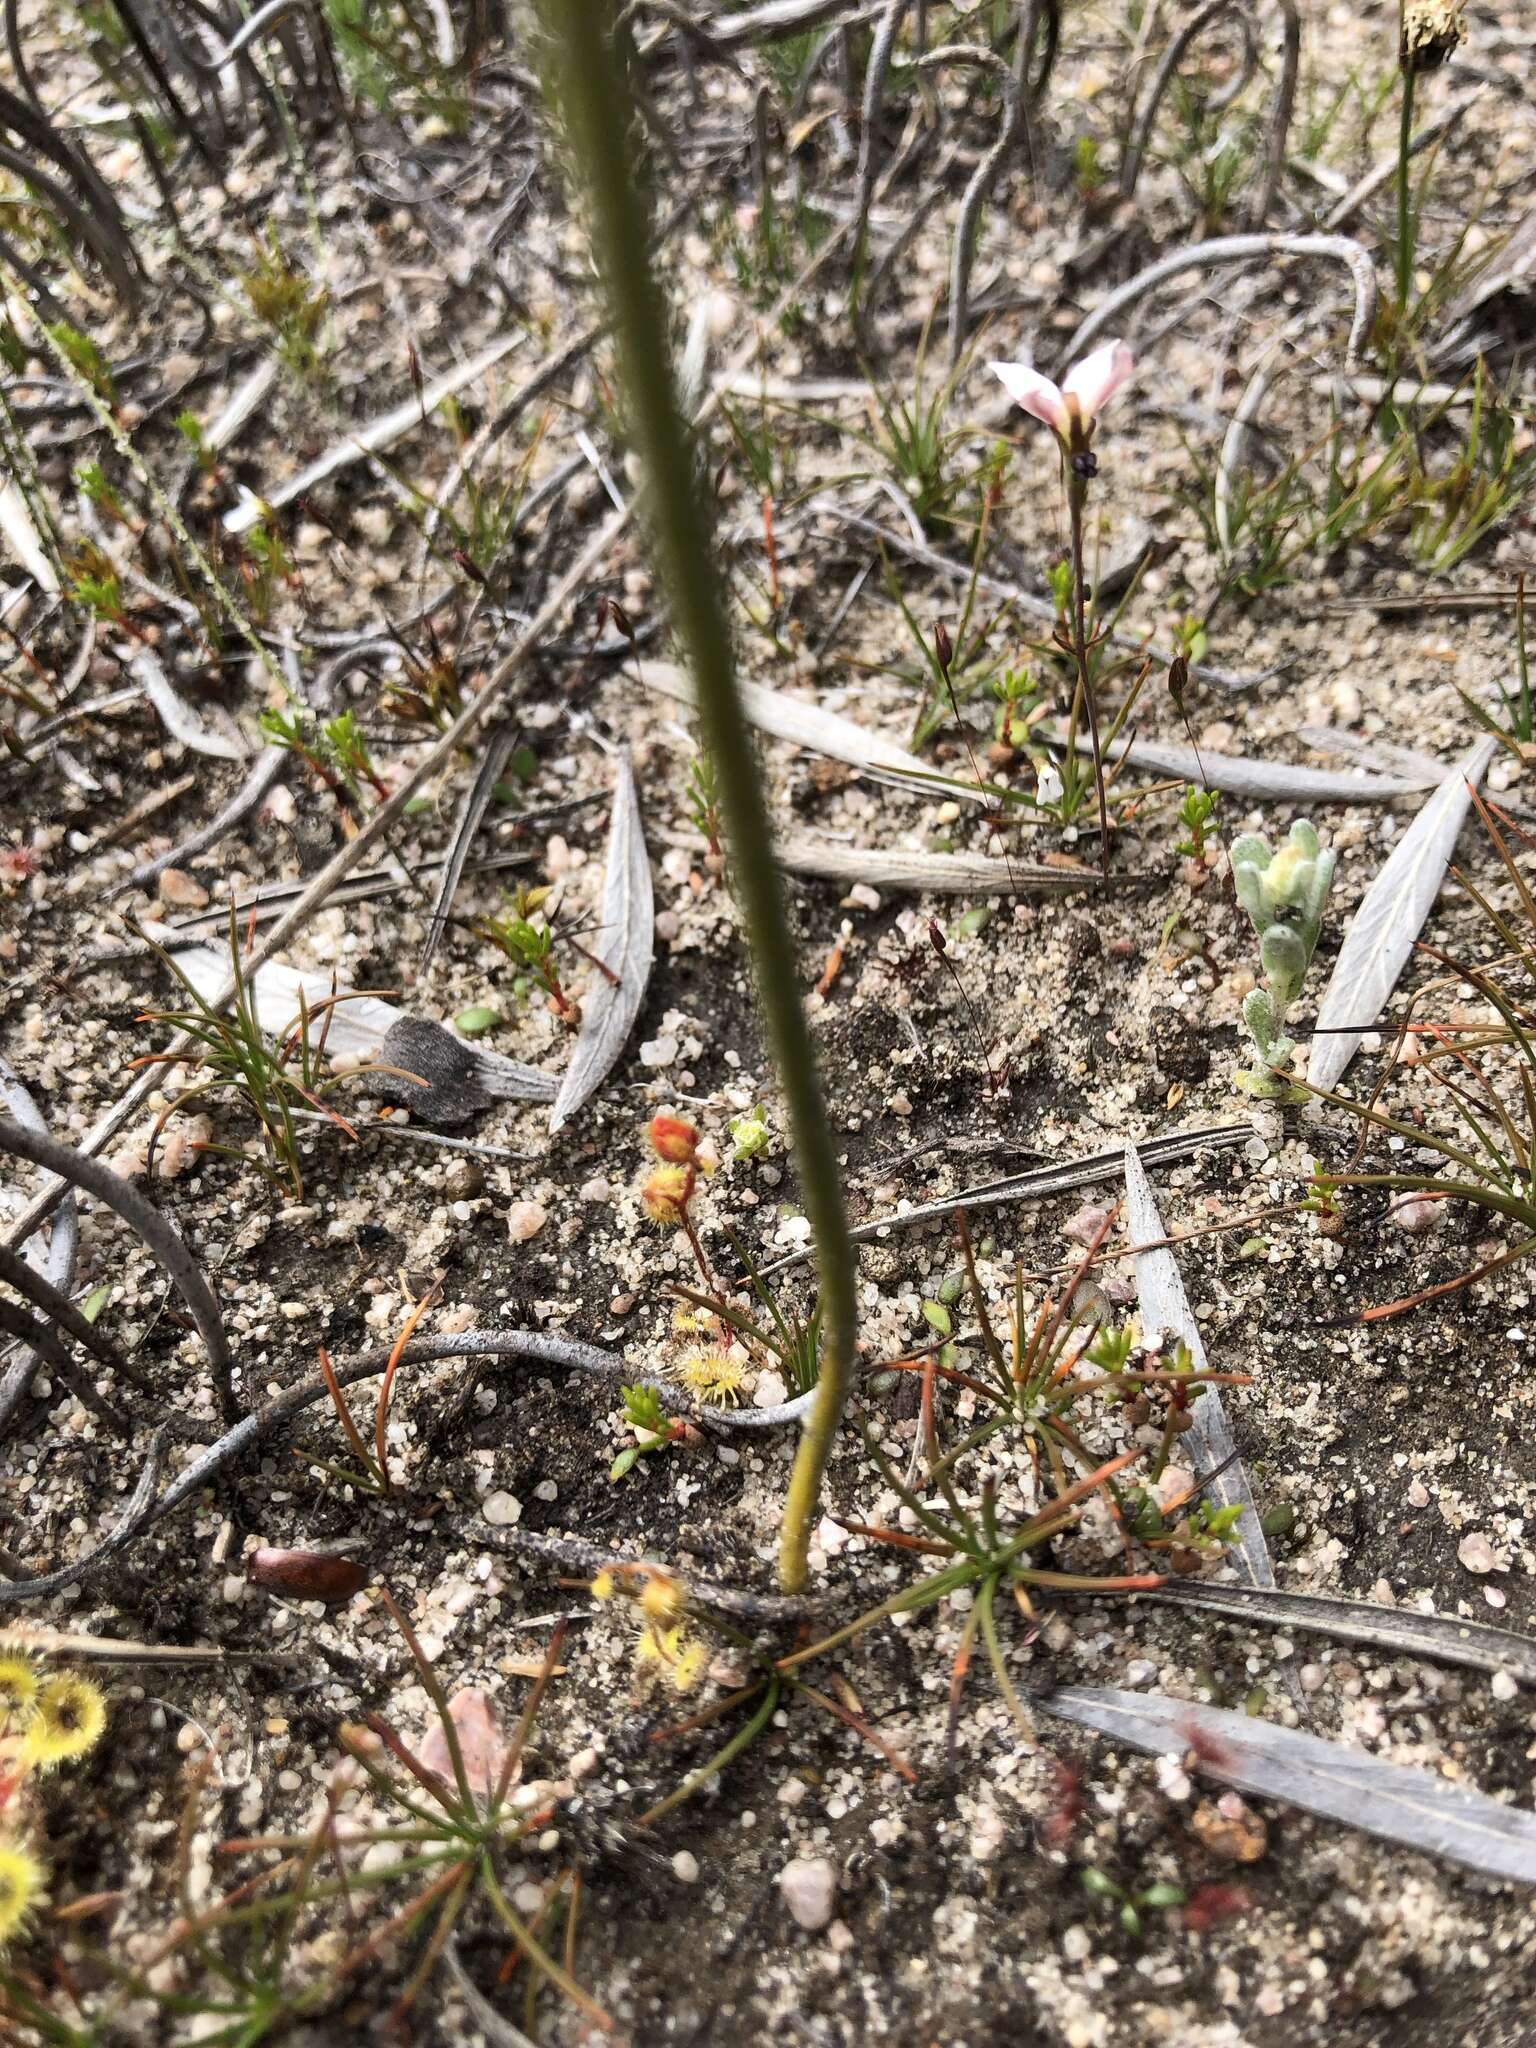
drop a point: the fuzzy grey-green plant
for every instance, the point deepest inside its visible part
(1283, 893)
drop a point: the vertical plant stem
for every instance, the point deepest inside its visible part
(1405, 198)
(1077, 500)
(596, 108)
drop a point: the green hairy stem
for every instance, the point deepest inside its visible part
(593, 101)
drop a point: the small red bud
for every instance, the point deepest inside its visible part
(610, 609)
(673, 1139)
(943, 647)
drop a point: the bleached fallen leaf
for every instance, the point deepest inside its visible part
(1265, 781)
(380, 433)
(1165, 1310)
(358, 1028)
(1401, 1631)
(807, 724)
(1399, 1802)
(959, 874)
(1038, 1183)
(1391, 915)
(213, 733)
(497, 748)
(24, 540)
(609, 1008)
(245, 402)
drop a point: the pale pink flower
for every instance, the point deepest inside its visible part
(1070, 408)
(482, 1746)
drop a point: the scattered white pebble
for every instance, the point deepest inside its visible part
(809, 1886)
(1172, 1778)
(525, 1220)
(501, 1510)
(685, 1868)
(1477, 1554)
(658, 1052)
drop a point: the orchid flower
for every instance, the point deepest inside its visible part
(1070, 408)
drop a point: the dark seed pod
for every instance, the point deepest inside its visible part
(1431, 31)
(306, 1574)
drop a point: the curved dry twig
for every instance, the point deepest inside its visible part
(1241, 249)
(964, 249)
(1173, 57)
(57, 1263)
(62, 1313)
(875, 75)
(1032, 17)
(1280, 115)
(158, 1234)
(44, 1341)
(266, 772)
(104, 239)
(247, 33)
(533, 1347)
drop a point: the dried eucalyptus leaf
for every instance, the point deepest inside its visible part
(1403, 1631)
(1265, 781)
(944, 874)
(805, 724)
(465, 826)
(1398, 1802)
(1391, 915)
(1039, 1182)
(609, 1008)
(1165, 1309)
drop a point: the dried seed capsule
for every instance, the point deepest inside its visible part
(1431, 30)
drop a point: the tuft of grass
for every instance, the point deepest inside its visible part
(270, 1078)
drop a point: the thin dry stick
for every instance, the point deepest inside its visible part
(1240, 249)
(1284, 108)
(875, 76)
(964, 249)
(75, 1169)
(1383, 173)
(1173, 57)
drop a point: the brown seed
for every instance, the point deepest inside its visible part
(306, 1574)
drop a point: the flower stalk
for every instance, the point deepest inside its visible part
(589, 88)
(1071, 410)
